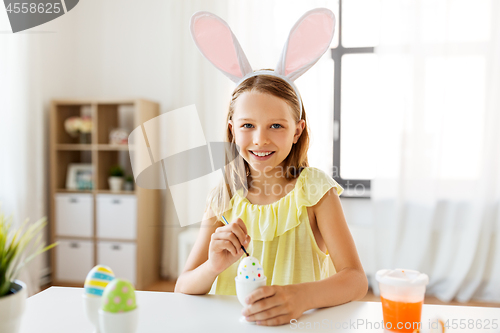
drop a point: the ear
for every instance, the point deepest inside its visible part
(230, 124)
(218, 44)
(298, 130)
(308, 40)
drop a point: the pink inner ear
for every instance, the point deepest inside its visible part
(216, 42)
(308, 41)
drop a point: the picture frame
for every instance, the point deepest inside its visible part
(79, 176)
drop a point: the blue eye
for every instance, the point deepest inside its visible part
(278, 125)
(244, 125)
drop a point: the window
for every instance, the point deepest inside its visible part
(396, 72)
(410, 79)
(354, 76)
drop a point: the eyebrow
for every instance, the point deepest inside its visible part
(248, 119)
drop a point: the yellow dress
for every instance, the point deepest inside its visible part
(281, 236)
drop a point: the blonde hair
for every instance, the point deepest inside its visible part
(237, 169)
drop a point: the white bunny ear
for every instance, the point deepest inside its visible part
(218, 44)
(309, 39)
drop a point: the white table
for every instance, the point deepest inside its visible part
(60, 309)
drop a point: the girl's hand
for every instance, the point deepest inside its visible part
(225, 245)
(274, 305)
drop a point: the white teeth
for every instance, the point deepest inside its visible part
(262, 154)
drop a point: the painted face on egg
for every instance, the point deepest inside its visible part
(263, 124)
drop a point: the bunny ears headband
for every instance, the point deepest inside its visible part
(308, 40)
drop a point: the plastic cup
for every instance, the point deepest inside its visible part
(402, 293)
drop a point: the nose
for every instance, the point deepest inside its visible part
(260, 137)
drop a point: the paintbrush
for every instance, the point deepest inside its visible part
(226, 223)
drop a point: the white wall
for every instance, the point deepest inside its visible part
(123, 49)
(358, 215)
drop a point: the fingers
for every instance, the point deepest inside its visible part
(264, 305)
(229, 236)
(227, 245)
(269, 311)
(268, 314)
(238, 228)
(221, 242)
(271, 306)
(241, 224)
(260, 293)
(279, 320)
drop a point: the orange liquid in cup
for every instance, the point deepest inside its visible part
(403, 313)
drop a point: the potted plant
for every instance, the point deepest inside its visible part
(115, 179)
(129, 183)
(16, 250)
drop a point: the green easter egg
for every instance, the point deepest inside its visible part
(118, 296)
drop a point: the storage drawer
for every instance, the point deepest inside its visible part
(74, 259)
(74, 215)
(116, 216)
(120, 257)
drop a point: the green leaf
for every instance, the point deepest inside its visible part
(18, 246)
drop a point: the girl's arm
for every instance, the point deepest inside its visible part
(216, 248)
(277, 305)
(350, 282)
(198, 277)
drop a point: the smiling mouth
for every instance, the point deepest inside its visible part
(263, 154)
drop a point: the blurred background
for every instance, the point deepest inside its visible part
(403, 112)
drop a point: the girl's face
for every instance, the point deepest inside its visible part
(263, 124)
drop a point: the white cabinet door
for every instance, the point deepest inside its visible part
(74, 259)
(74, 215)
(185, 241)
(120, 257)
(116, 216)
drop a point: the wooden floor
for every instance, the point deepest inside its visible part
(163, 285)
(168, 285)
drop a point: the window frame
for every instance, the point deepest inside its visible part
(354, 188)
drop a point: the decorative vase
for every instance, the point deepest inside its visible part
(84, 138)
(12, 307)
(115, 183)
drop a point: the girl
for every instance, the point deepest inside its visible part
(290, 219)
